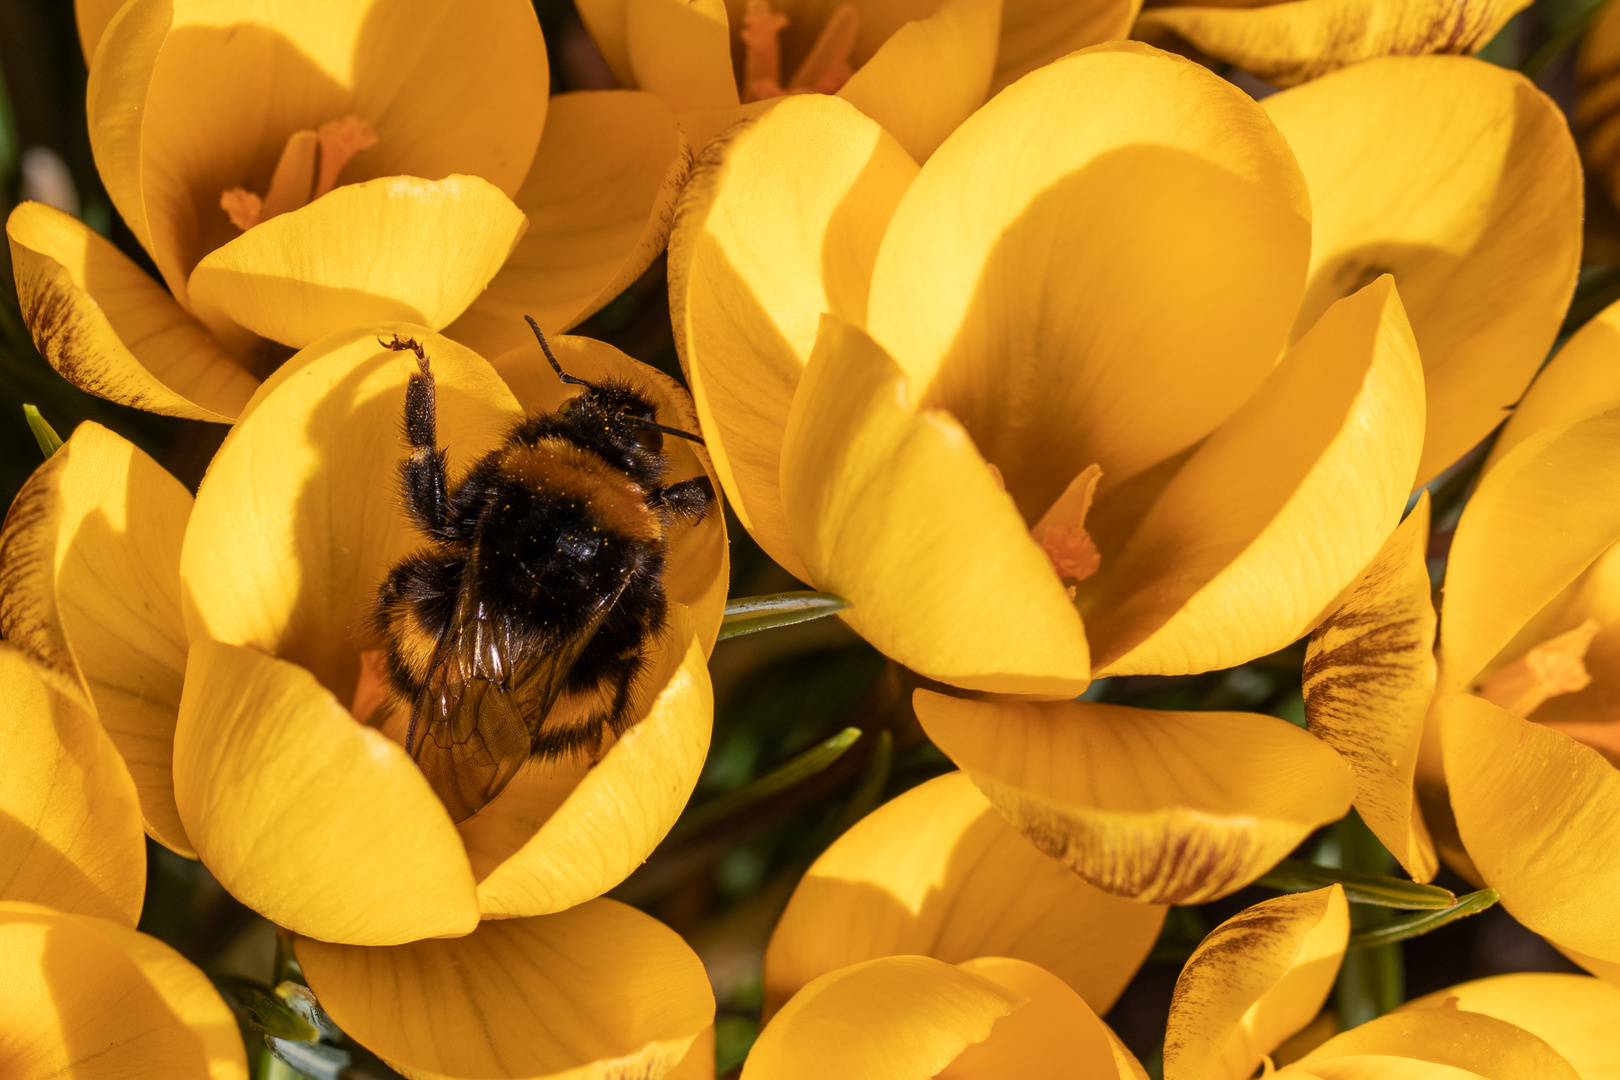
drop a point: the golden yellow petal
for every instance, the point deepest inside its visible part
(781, 221)
(70, 822)
(1538, 813)
(931, 75)
(1289, 43)
(1037, 32)
(116, 109)
(315, 821)
(1459, 178)
(1466, 1041)
(600, 200)
(88, 999)
(91, 563)
(92, 17)
(1068, 247)
(1368, 680)
(681, 51)
(893, 1018)
(1574, 1014)
(1529, 530)
(1255, 980)
(1582, 379)
(397, 249)
(110, 329)
(605, 21)
(1277, 511)
(1054, 1035)
(939, 872)
(893, 509)
(1163, 807)
(597, 992)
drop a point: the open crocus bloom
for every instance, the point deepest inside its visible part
(918, 67)
(316, 821)
(1289, 41)
(295, 171)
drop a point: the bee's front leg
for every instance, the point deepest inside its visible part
(422, 475)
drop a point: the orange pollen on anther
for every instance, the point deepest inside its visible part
(307, 169)
(825, 68)
(1556, 666)
(1062, 534)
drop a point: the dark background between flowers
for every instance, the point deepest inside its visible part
(722, 881)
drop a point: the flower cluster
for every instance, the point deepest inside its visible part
(1070, 352)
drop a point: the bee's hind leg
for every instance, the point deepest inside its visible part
(689, 498)
(422, 474)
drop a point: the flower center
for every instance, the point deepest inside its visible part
(1061, 532)
(823, 71)
(1554, 667)
(308, 169)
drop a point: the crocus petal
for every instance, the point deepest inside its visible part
(398, 249)
(780, 222)
(599, 200)
(931, 75)
(1292, 42)
(681, 51)
(1036, 32)
(893, 509)
(70, 823)
(1574, 1014)
(1218, 571)
(897, 1018)
(1459, 178)
(190, 98)
(1071, 244)
(596, 992)
(299, 517)
(92, 17)
(84, 997)
(349, 844)
(605, 21)
(1368, 680)
(1257, 979)
(1164, 807)
(91, 557)
(1537, 812)
(1054, 1035)
(1467, 1041)
(110, 329)
(1582, 379)
(1529, 530)
(939, 872)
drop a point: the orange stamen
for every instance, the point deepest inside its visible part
(827, 67)
(372, 688)
(1556, 666)
(242, 206)
(823, 71)
(307, 169)
(340, 141)
(1061, 532)
(762, 51)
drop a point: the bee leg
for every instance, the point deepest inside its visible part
(422, 475)
(689, 498)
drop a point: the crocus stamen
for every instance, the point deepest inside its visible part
(762, 51)
(1554, 667)
(307, 169)
(371, 689)
(827, 67)
(1062, 534)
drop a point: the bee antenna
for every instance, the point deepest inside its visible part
(541, 338)
(671, 431)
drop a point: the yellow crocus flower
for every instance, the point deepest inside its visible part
(297, 170)
(1296, 40)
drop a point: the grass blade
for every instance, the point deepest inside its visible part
(1296, 875)
(1412, 926)
(49, 441)
(751, 614)
(795, 772)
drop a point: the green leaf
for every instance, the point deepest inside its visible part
(1295, 875)
(49, 441)
(795, 772)
(1411, 926)
(751, 614)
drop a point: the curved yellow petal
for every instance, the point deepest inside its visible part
(600, 200)
(1368, 680)
(299, 517)
(1459, 178)
(681, 51)
(92, 17)
(398, 249)
(780, 222)
(1071, 244)
(1582, 379)
(110, 329)
(593, 993)
(349, 844)
(1597, 103)
(1467, 1041)
(91, 564)
(1537, 812)
(895, 1018)
(1376, 1067)
(1037, 32)
(70, 823)
(1289, 43)
(893, 509)
(931, 75)
(605, 21)
(1163, 807)
(88, 999)
(1527, 532)
(939, 872)
(1278, 510)
(1574, 1014)
(1255, 980)
(1054, 1035)
(191, 97)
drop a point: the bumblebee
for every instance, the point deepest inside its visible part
(542, 582)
